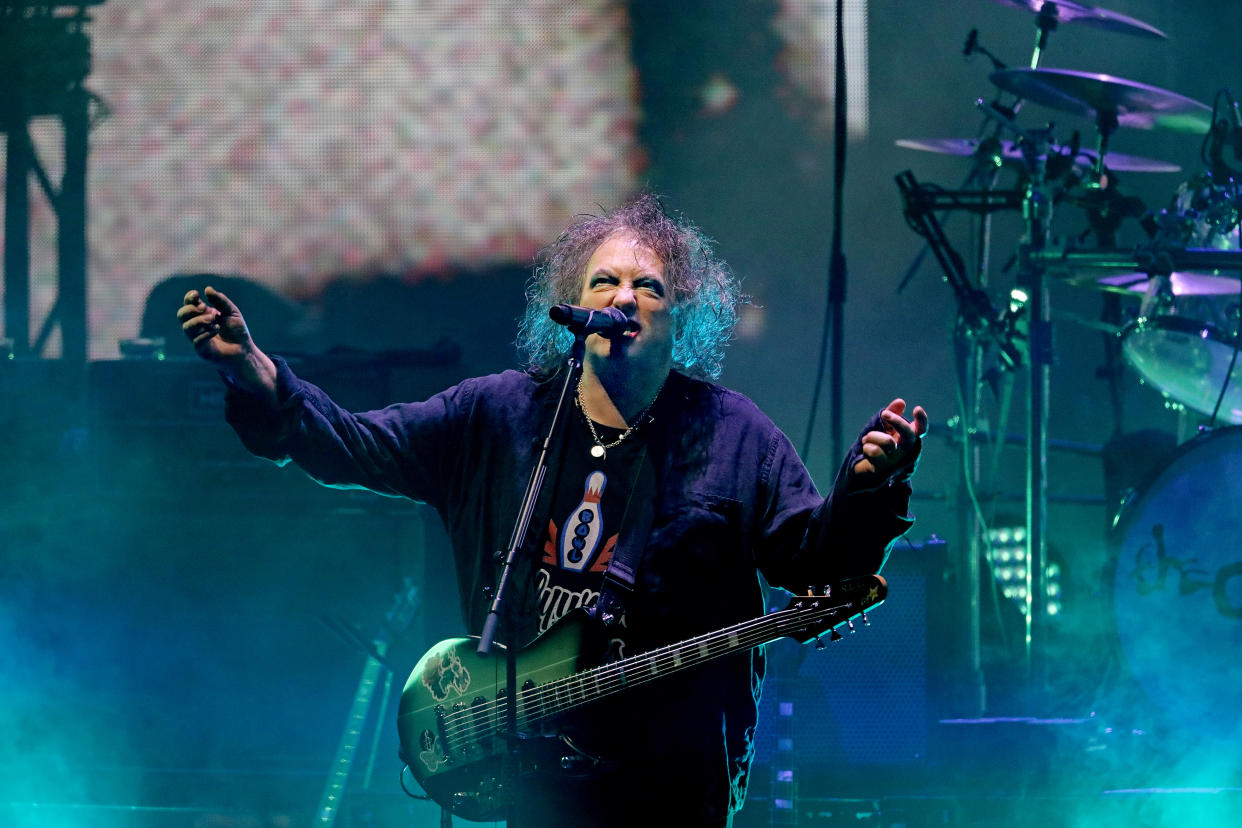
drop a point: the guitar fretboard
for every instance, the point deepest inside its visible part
(483, 719)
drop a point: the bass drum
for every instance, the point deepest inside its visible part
(1177, 586)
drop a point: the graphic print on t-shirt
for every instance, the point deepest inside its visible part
(576, 554)
(582, 529)
(573, 545)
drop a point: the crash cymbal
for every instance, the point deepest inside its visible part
(966, 147)
(1080, 13)
(1101, 97)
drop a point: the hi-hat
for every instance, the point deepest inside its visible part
(1104, 98)
(1009, 151)
(1080, 13)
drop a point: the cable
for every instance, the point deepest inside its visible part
(408, 792)
(973, 496)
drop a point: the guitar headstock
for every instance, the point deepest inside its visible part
(405, 605)
(810, 616)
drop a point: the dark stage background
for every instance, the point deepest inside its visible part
(370, 181)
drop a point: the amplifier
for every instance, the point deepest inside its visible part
(157, 429)
(865, 707)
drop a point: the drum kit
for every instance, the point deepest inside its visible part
(1183, 339)
(1184, 280)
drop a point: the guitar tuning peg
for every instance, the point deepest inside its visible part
(836, 636)
(849, 622)
(819, 642)
(866, 622)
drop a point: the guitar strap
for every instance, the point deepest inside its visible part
(622, 569)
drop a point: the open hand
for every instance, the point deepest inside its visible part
(895, 446)
(215, 326)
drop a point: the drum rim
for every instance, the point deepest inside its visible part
(1186, 326)
(1178, 324)
(1123, 516)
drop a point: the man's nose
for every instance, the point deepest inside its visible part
(624, 297)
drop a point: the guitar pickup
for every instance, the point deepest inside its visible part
(445, 746)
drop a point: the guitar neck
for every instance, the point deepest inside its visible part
(572, 692)
(338, 775)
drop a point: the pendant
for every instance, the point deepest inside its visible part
(598, 451)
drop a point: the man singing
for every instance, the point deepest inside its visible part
(689, 480)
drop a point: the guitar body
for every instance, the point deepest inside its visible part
(452, 714)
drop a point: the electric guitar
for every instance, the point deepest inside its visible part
(452, 720)
(405, 605)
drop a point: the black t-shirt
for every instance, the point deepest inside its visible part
(596, 499)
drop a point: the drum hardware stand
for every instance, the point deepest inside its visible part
(1037, 206)
(1155, 260)
(980, 318)
(1037, 213)
(979, 324)
(1036, 200)
(987, 161)
(1013, 438)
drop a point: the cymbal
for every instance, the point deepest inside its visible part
(1189, 283)
(1009, 152)
(1080, 13)
(1093, 95)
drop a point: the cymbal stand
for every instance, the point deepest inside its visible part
(1045, 25)
(1037, 204)
(1037, 215)
(985, 164)
(1106, 123)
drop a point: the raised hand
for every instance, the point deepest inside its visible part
(216, 327)
(897, 445)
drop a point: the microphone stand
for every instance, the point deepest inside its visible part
(834, 313)
(499, 607)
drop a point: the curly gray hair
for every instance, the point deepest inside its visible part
(705, 291)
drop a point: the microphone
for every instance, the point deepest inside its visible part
(1220, 135)
(609, 323)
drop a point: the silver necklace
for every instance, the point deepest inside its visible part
(600, 449)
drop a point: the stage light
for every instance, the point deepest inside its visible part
(1006, 556)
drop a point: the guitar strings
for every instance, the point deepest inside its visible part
(474, 723)
(612, 678)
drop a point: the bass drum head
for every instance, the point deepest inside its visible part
(1188, 361)
(1177, 587)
